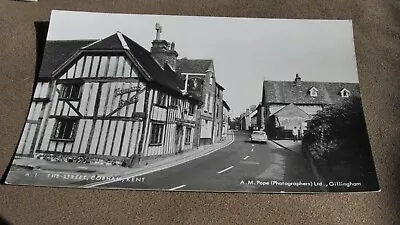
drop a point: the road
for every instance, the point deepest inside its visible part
(239, 167)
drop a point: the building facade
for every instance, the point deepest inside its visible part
(109, 98)
(253, 121)
(226, 119)
(260, 117)
(200, 80)
(248, 120)
(289, 104)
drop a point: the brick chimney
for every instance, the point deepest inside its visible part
(163, 51)
(171, 55)
(297, 80)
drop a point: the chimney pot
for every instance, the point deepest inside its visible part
(297, 80)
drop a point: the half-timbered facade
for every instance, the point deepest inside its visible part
(108, 98)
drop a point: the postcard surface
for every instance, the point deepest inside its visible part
(150, 102)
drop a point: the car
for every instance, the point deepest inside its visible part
(259, 136)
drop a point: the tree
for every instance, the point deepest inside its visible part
(235, 123)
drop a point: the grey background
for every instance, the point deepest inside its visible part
(377, 32)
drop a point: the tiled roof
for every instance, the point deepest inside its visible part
(112, 42)
(288, 92)
(57, 52)
(167, 78)
(193, 65)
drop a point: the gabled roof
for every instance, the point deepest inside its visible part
(287, 92)
(57, 53)
(167, 78)
(226, 105)
(185, 65)
(291, 111)
(112, 42)
(343, 90)
(219, 86)
(249, 114)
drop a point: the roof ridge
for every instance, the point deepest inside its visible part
(71, 40)
(290, 105)
(311, 81)
(122, 40)
(195, 59)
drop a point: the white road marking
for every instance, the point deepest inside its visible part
(82, 167)
(252, 145)
(249, 162)
(252, 150)
(245, 157)
(176, 188)
(157, 168)
(224, 170)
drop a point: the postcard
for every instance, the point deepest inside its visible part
(184, 103)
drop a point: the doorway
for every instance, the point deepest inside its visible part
(178, 138)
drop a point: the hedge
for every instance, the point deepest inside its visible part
(338, 142)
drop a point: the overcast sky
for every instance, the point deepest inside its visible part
(245, 51)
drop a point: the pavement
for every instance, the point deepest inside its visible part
(290, 145)
(60, 172)
(234, 165)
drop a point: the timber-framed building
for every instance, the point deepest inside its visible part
(109, 98)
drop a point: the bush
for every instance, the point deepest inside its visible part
(337, 140)
(338, 133)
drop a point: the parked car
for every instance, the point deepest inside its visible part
(259, 136)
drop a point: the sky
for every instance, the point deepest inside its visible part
(245, 51)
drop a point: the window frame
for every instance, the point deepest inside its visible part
(188, 136)
(58, 123)
(174, 101)
(344, 93)
(71, 90)
(161, 99)
(313, 92)
(191, 109)
(158, 130)
(209, 103)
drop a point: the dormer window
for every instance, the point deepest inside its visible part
(344, 93)
(313, 92)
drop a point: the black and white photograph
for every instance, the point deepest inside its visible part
(186, 103)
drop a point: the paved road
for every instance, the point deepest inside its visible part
(241, 166)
